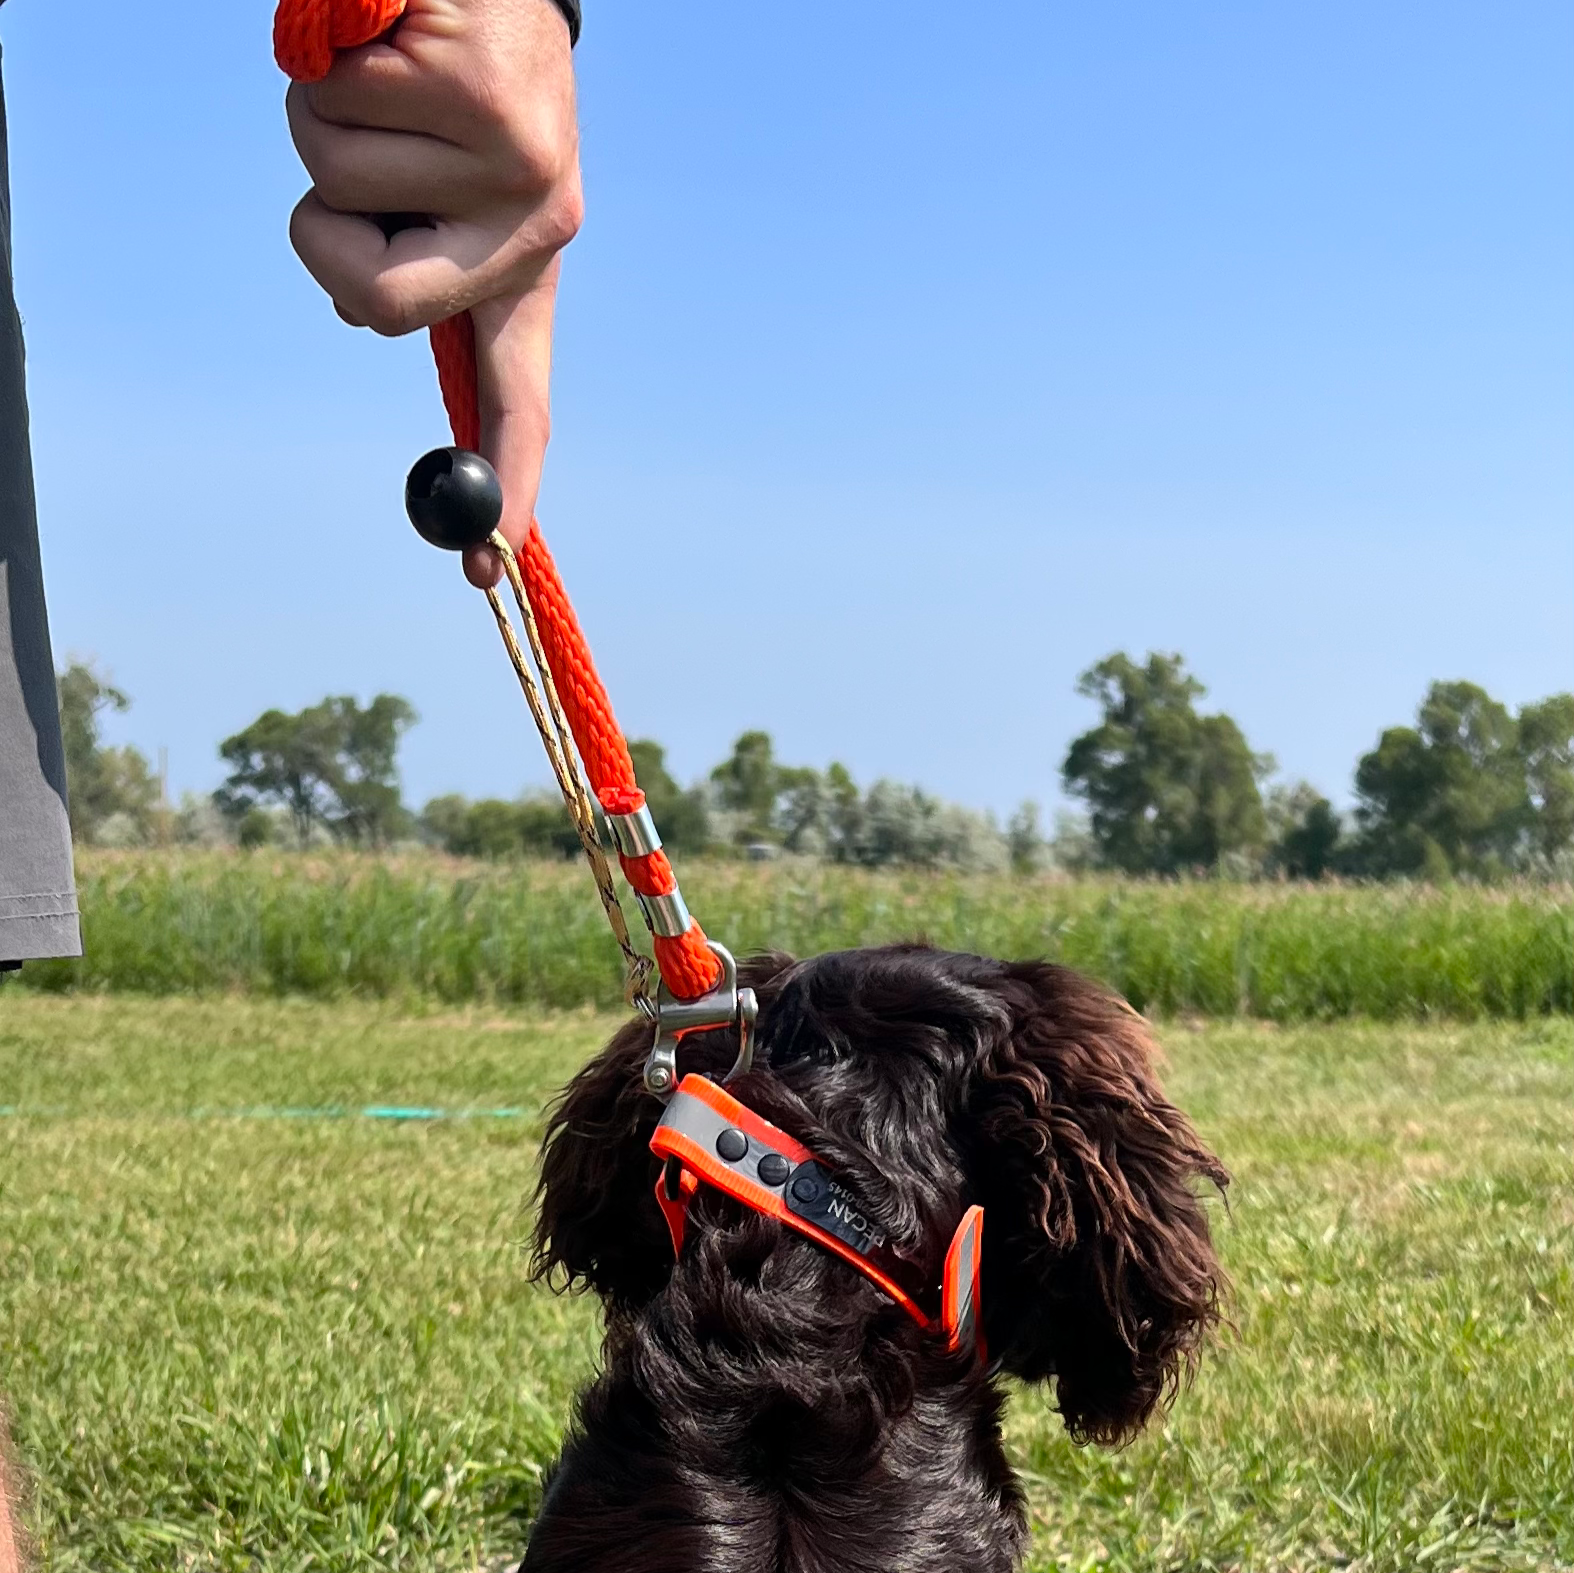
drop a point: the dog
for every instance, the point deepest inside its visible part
(762, 1404)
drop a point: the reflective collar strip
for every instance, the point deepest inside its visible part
(695, 1118)
(959, 1307)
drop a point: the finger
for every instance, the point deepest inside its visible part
(447, 76)
(513, 345)
(513, 338)
(384, 89)
(394, 286)
(356, 170)
(440, 47)
(421, 275)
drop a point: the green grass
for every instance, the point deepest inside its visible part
(287, 1344)
(439, 929)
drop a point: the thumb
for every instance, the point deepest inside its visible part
(513, 357)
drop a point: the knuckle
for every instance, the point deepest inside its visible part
(307, 236)
(529, 172)
(541, 150)
(387, 311)
(300, 223)
(318, 146)
(336, 182)
(561, 217)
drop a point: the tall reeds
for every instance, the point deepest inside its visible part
(532, 933)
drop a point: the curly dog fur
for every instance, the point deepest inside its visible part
(762, 1405)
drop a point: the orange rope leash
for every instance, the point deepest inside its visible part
(306, 32)
(305, 35)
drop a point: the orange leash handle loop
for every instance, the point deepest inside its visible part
(305, 35)
(306, 32)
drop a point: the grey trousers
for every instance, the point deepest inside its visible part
(38, 903)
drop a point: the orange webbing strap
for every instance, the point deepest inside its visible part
(305, 35)
(708, 1136)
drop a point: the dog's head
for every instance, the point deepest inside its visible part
(928, 1081)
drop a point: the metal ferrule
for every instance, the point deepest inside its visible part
(667, 916)
(634, 835)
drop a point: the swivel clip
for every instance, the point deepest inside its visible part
(726, 1005)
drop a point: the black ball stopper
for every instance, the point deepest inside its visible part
(453, 498)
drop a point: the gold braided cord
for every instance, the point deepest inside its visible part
(581, 807)
(546, 710)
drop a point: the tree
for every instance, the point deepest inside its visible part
(1072, 848)
(491, 829)
(773, 802)
(538, 825)
(826, 816)
(287, 759)
(1167, 789)
(898, 826)
(442, 821)
(801, 809)
(1447, 795)
(1229, 816)
(332, 764)
(197, 822)
(535, 825)
(1304, 832)
(906, 825)
(1025, 840)
(103, 783)
(1394, 782)
(747, 784)
(681, 817)
(371, 810)
(255, 828)
(844, 815)
(1546, 747)
(543, 826)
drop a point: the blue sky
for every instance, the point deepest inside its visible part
(908, 363)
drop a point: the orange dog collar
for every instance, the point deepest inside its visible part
(707, 1135)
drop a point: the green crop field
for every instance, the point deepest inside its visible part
(430, 927)
(243, 1325)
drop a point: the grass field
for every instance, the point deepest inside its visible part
(236, 1334)
(532, 933)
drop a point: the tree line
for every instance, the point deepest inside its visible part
(1469, 789)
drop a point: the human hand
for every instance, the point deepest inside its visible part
(460, 122)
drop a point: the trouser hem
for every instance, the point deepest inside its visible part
(39, 937)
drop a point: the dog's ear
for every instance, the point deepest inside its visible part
(1098, 1268)
(598, 1225)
